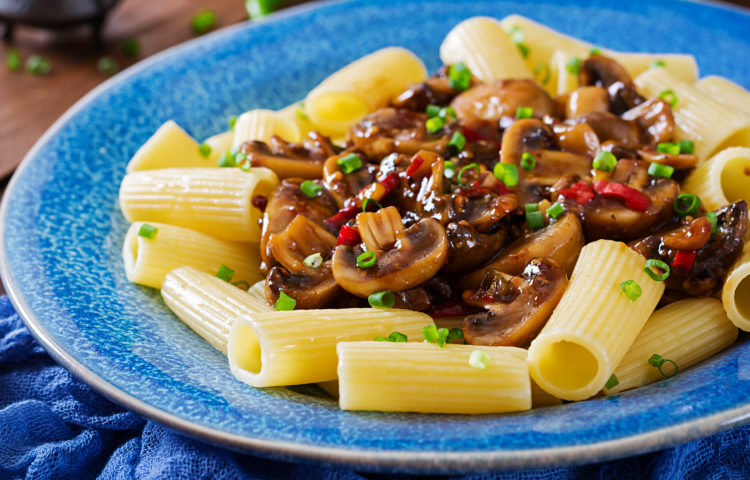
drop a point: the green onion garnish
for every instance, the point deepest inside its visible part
(687, 146)
(231, 120)
(516, 34)
(240, 158)
(384, 299)
(430, 333)
(523, 49)
(131, 47)
(506, 173)
(442, 336)
(479, 359)
(366, 259)
(653, 263)
(468, 167)
(300, 112)
(285, 302)
(669, 97)
(397, 337)
(368, 200)
(658, 64)
(524, 112)
(528, 162)
(446, 112)
(227, 160)
(349, 163)
(711, 216)
(108, 66)
(241, 284)
(204, 150)
(311, 189)
(658, 361)
(454, 333)
(147, 231)
(660, 170)
(449, 169)
(632, 290)
(38, 65)
(13, 59)
(534, 220)
(203, 21)
(313, 261)
(595, 51)
(460, 76)
(434, 124)
(687, 204)
(555, 210)
(433, 111)
(225, 273)
(604, 162)
(458, 141)
(669, 148)
(612, 382)
(531, 207)
(543, 69)
(573, 66)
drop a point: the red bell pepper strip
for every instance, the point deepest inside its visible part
(349, 236)
(414, 166)
(633, 199)
(349, 211)
(683, 262)
(580, 192)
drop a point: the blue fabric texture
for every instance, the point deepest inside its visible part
(52, 426)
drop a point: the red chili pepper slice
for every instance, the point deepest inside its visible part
(344, 215)
(580, 192)
(472, 135)
(683, 262)
(348, 236)
(633, 199)
(414, 166)
(390, 182)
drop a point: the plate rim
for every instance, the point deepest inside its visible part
(358, 457)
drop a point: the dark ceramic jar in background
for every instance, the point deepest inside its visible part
(54, 14)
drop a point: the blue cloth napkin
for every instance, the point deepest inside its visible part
(52, 426)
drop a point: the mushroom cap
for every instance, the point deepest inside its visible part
(308, 291)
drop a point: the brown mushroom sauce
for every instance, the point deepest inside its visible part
(451, 238)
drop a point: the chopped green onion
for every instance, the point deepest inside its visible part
(13, 59)
(433, 111)
(108, 66)
(430, 333)
(300, 112)
(506, 173)
(285, 302)
(442, 336)
(528, 162)
(660, 170)
(523, 49)
(612, 382)
(398, 337)
(534, 220)
(204, 150)
(434, 124)
(449, 169)
(311, 189)
(460, 76)
(261, 8)
(227, 160)
(542, 68)
(516, 34)
(468, 167)
(669, 148)
(595, 51)
(231, 120)
(225, 273)
(531, 207)
(524, 112)
(654, 274)
(604, 162)
(632, 290)
(658, 361)
(669, 97)
(446, 112)
(349, 163)
(240, 283)
(687, 146)
(203, 21)
(458, 141)
(658, 64)
(381, 338)
(384, 299)
(38, 65)
(573, 66)
(711, 216)
(314, 261)
(368, 200)
(131, 47)
(555, 210)
(366, 259)
(148, 231)
(687, 204)
(479, 359)
(454, 333)
(241, 160)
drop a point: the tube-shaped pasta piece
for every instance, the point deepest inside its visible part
(698, 117)
(723, 179)
(595, 322)
(293, 347)
(736, 293)
(258, 290)
(261, 125)
(726, 92)
(219, 144)
(295, 113)
(422, 377)
(684, 332)
(566, 78)
(216, 201)
(207, 304)
(149, 260)
(681, 66)
(362, 87)
(488, 51)
(169, 147)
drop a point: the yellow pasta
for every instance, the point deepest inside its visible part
(681, 66)
(207, 304)
(566, 81)
(684, 332)
(258, 290)
(169, 147)
(727, 93)
(488, 51)
(698, 117)
(216, 201)
(595, 322)
(289, 348)
(723, 179)
(219, 143)
(362, 87)
(736, 293)
(422, 377)
(261, 125)
(149, 260)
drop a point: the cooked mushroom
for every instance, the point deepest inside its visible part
(601, 71)
(290, 159)
(344, 185)
(655, 120)
(311, 284)
(680, 161)
(516, 307)
(588, 99)
(714, 254)
(436, 90)
(578, 138)
(610, 127)
(404, 258)
(490, 102)
(469, 248)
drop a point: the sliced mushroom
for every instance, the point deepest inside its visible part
(490, 102)
(655, 120)
(585, 100)
(680, 161)
(436, 90)
(611, 127)
(604, 72)
(483, 212)
(516, 308)
(405, 258)
(577, 138)
(469, 248)
(310, 285)
(344, 185)
(289, 159)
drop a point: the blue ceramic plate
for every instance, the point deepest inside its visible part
(63, 231)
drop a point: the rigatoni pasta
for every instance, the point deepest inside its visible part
(724, 178)
(736, 293)
(169, 147)
(261, 125)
